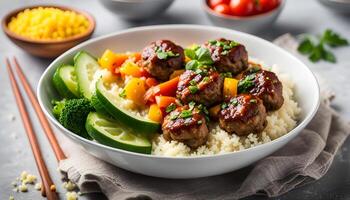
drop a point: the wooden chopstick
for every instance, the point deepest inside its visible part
(45, 176)
(43, 121)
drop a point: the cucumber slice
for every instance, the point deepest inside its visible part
(65, 81)
(85, 67)
(110, 132)
(112, 103)
(99, 107)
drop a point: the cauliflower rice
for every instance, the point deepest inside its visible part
(279, 123)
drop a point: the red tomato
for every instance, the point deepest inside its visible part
(242, 7)
(266, 5)
(222, 9)
(214, 3)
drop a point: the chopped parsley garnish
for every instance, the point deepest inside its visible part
(174, 115)
(200, 122)
(318, 48)
(226, 75)
(224, 105)
(193, 89)
(199, 56)
(226, 45)
(234, 101)
(253, 101)
(245, 84)
(193, 82)
(205, 79)
(122, 94)
(161, 54)
(191, 105)
(186, 114)
(170, 108)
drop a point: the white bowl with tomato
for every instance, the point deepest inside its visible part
(243, 15)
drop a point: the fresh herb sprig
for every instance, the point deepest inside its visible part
(200, 56)
(318, 48)
(163, 55)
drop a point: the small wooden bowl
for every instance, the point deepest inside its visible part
(47, 48)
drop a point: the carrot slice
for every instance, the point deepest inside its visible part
(165, 101)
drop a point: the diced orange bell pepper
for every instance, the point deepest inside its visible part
(167, 88)
(165, 101)
(214, 111)
(155, 113)
(150, 82)
(111, 60)
(177, 73)
(136, 56)
(135, 90)
(230, 87)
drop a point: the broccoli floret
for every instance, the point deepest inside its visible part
(72, 114)
(58, 106)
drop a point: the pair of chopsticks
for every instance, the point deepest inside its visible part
(48, 188)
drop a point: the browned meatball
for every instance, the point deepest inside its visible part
(161, 58)
(186, 124)
(202, 86)
(228, 56)
(242, 115)
(263, 84)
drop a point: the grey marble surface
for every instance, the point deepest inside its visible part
(299, 16)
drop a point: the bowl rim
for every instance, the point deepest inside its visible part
(9, 15)
(210, 11)
(74, 136)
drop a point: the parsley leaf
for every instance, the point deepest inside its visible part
(245, 84)
(319, 51)
(333, 39)
(192, 65)
(162, 55)
(170, 108)
(193, 89)
(122, 94)
(203, 56)
(306, 46)
(186, 114)
(191, 53)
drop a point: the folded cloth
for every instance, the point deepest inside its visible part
(303, 160)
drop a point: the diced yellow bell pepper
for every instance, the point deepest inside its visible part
(131, 69)
(155, 113)
(230, 87)
(135, 90)
(107, 59)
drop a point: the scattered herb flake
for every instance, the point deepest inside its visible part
(186, 114)
(193, 89)
(170, 108)
(122, 94)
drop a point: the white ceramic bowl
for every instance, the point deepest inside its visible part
(248, 24)
(341, 6)
(306, 91)
(137, 10)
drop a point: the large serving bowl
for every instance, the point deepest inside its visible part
(306, 94)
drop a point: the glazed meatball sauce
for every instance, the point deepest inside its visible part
(214, 76)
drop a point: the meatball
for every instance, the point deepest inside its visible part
(201, 86)
(263, 84)
(242, 115)
(228, 56)
(186, 124)
(161, 58)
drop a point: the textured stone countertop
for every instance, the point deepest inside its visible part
(298, 16)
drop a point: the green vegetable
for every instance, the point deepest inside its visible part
(122, 94)
(110, 132)
(65, 82)
(193, 89)
(200, 56)
(85, 68)
(170, 108)
(58, 106)
(161, 54)
(245, 84)
(112, 104)
(186, 114)
(317, 49)
(72, 114)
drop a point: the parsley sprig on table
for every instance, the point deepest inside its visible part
(318, 48)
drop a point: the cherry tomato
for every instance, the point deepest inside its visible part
(242, 7)
(266, 5)
(214, 3)
(222, 9)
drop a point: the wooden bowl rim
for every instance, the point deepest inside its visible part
(7, 17)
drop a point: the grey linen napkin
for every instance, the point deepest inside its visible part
(305, 159)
